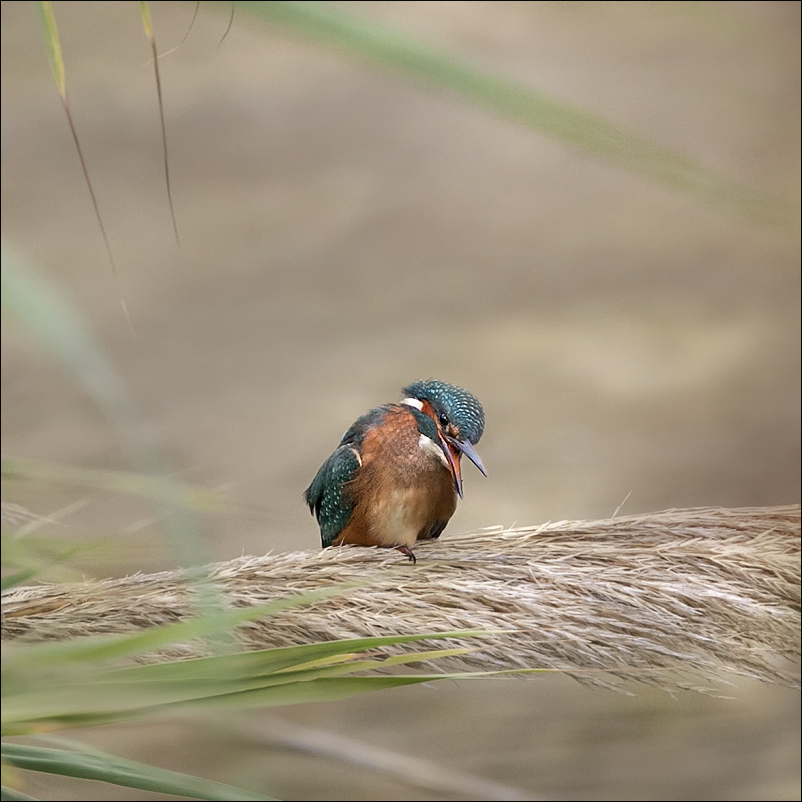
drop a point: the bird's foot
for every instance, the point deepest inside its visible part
(406, 550)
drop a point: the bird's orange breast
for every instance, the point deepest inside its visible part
(403, 491)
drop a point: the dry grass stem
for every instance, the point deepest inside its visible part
(416, 771)
(668, 598)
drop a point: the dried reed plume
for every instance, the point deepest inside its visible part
(664, 598)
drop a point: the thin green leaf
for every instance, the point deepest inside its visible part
(33, 556)
(71, 707)
(53, 46)
(114, 647)
(46, 707)
(11, 795)
(268, 661)
(349, 664)
(116, 770)
(135, 484)
(365, 41)
(34, 304)
(317, 690)
(420, 657)
(17, 578)
(34, 704)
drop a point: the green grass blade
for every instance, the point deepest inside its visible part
(327, 689)
(53, 46)
(268, 661)
(128, 773)
(28, 557)
(35, 306)
(358, 39)
(10, 795)
(134, 484)
(33, 702)
(323, 689)
(17, 578)
(114, 647)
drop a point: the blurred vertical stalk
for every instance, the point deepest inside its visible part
(35, 306)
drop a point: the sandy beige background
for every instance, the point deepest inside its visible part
(344, 233)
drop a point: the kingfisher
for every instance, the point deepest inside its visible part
(395, 476)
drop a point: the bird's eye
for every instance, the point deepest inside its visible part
(443, 419)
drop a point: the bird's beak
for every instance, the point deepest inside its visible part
(453, 449)
(466, 447)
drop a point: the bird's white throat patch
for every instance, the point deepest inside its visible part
(413, 402)
(430, 447)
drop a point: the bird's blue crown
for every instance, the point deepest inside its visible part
(459, 406)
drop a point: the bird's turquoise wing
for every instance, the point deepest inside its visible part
(328, 496)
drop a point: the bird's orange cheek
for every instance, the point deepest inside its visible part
(454, 456)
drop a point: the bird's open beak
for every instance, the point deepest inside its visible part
(453, 449)
(466, 447)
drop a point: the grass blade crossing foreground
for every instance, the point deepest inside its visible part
(365, 41)
(116, 770)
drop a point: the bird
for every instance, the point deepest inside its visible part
(395, 476)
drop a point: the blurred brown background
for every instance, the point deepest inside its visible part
(344, 233)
